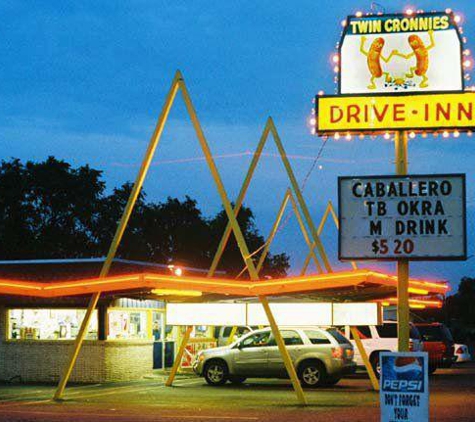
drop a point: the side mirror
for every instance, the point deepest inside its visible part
(239, 345)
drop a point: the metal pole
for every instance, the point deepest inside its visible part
(119, 233)
(179, 356)
(304, 233)
(300, 199)
(240, 199)
(163, 328)
(364, 356)
(284, 352)
(236, 229)
(400, 143)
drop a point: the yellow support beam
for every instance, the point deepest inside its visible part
(238, 234)
(240, 199)
(284, 352)
(400, 144)
(270, 128)
(119, 233)
(300, 199)
(288, 195)
(178, 83)
(179, 356)
(329, 210)
(364, 356)
(231, 335)
(305, 234)
(274, 229)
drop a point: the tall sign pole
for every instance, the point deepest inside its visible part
(400, 73)
(400, 144)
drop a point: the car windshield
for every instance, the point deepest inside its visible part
(339, 337)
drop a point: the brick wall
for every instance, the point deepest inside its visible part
(98, 361)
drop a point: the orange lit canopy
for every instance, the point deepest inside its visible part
(338, 284)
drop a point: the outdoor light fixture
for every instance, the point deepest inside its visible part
(178, 271)
(176, 292)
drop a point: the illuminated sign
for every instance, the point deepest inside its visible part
(381, 113)
(401, 53)
(404, 392)
(206, 314)
(391, 217)
(302, 314)
(285, 314)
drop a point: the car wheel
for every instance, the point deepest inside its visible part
(375, 364)
(216, 372)
(312, 374)
(237, 380)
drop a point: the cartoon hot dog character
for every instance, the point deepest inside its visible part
(421, 53)
(373, 59)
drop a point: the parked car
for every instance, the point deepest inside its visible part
(320, 356)
(381, 338)
(461, 353)
(438, 342)
(222, 333)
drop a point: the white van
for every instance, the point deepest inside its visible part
(381, 338)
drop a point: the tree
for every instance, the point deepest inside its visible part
(460, 305)
(51, 210)
(48, 209)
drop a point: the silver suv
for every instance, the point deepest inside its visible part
(320, 356)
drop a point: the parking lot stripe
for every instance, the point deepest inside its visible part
(70, 416)
(133, 388)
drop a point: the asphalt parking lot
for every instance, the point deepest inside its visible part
(191, 399)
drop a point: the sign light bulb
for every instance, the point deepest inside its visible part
(359, 14)
(409, 11)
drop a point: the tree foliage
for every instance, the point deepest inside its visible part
(460, 307)
(51, 210)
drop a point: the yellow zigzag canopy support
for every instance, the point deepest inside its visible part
(271, 129)
(275, 227)
(178, 83)
(329, 210)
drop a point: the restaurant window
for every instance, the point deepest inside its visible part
(125, 324)
(48, 324)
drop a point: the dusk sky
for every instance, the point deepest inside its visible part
(85, 82)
